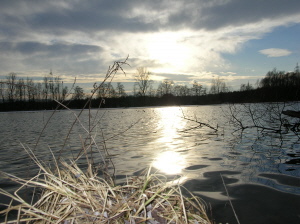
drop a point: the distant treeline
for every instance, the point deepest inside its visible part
(20, 94)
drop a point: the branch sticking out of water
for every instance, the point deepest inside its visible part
(201, 124)
(266, 117)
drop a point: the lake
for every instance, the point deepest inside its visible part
(261, 172)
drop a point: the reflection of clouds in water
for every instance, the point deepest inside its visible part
(170, 162)
(171, 121)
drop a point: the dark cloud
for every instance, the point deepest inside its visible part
(60, 17)
(239, 12)
(72, 65)
(80, 16)
(73, 58)
(201, 15)
(56, 49)
(86, 21)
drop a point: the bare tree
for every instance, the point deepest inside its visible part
(106, 90)
(64, 92)
(39, 91)
(51, 85)
(46, 88)
(120, 90)
(165, 87)
(30, 89)
(177, 90)
(2, 90)
(58, 86)
(181, 90)
(78, 93)
(20, 90)
(218, 85)
(142, 81)
(197, 89)
(159, 91)
(11, 84)
(246, 87)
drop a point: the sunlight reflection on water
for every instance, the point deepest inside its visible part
(170, 162)
(170, 121)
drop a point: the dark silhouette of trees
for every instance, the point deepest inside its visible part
(26, 93)
(181, 90)
(20, 90)
(246, 87)
(78, 93)
(39, 90)
(120, 90)
(165, 87)
(106, 91)
(14, 89)
(11, 86)
(280, 85)
(198, 89)
(2, 91)
(46, 89)
(142, 81)
(30, 89)
(218, 85)
(275, 79)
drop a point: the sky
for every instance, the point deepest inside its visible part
(182, 40)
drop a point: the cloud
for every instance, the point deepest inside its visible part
(228, 73)
(139, 16)
(53, 49)
(181, 37)
(66, 57)
(240, 12)
(175, 77)
(275, 52)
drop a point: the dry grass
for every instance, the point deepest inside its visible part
(70, 195)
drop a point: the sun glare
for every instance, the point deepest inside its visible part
(170, 122)
(169, 49)
(170, 161)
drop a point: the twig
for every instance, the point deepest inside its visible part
(237, 219)
(200, 123)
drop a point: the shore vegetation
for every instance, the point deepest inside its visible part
(26, 94)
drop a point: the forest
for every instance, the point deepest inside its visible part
(26, 94)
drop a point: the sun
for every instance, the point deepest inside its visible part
(169, 48)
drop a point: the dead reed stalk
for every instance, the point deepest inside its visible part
(69, 195)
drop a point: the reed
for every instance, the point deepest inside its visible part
(69, 195)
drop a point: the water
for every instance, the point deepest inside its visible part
(261, 172)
